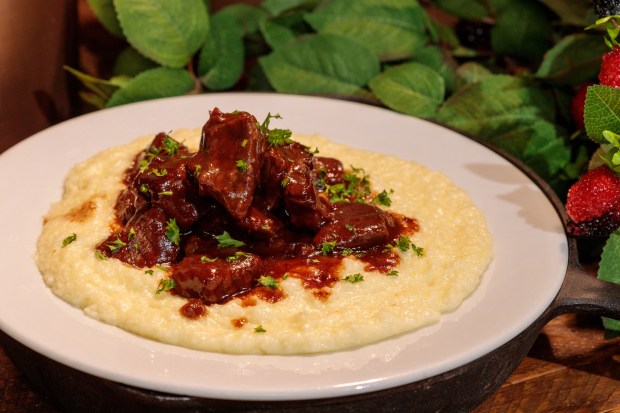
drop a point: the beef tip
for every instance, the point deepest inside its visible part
(230, 157)
(288, 171)
(160, 149)
(143, 241)
(356, 226)
(129, 203)
(328, 171)
(214, 280)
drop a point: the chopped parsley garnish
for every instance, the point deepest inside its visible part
(384, 198)
(418, 250)
(351, 228)
(244, 143)
(403, 243)
(346, 252)
(224, 240)
(260, 329)
(173, 232)
(205, 259)
(197, 170)
(393, 273)
(165, 284)
(100, 255)
(144, 188)
(149, 272)
(116, 245)
(158, 172)
(328, 247)
(170, 145)
(354, 278)
(161, 268)
(285, 182)
(241, 165)
(165, 193)
(279, 137)
(355, 188)
(69, 240)
(237, 256)
(268, 281)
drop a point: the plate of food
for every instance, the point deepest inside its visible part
(321, 249)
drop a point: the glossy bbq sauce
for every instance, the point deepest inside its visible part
(249, 209)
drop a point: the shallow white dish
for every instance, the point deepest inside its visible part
(531, 256)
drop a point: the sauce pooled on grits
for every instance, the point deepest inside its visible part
(250, 207)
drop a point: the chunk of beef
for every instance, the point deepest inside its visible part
(143, 241)
(328, 171)
(357, 225)
(169, 189)
(129, 203)
(288, 171)
(230, 158)
(214, 280)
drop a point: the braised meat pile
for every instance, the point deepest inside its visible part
(250, 205)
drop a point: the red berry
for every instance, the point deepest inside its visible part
(593, 203)
(578, 104)
(609, 74)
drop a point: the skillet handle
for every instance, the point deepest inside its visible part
(586, 294)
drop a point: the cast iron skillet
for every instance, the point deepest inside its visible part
(458, 390)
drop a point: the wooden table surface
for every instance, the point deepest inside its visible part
(571, 368)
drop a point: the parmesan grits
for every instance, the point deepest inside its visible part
(452, 230)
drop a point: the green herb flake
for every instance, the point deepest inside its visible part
(161, 268)
(132, 233)
(393, 273)
(244, 143)
(418, 250)
(69, 240)
(354, 278)
(100, 255)
(170, 145)
(158, 172)
(205, 259)
(241, 165)
(279, 137)
(116, 245)
(328, 247)
(260, 329)
(384, 198)
(165, 193)
(144, 188)
(165, 284)
(403, 243)
(173, 231)
(149, 272)
(237, 256)
(268, 281)
(285, 182)
(224, 240)
(346, 252)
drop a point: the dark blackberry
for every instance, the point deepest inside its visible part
(474, 34)
(600, 227)
(607, 7)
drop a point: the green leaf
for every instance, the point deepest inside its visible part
(321, 64)
(278, 7)
(130, 62)
(168, 32)
(101, 89)
(573, 60)
(577, 13)
(106, 14)
(521, 29)
(221, 60)
(248, 17)
(276, 34)
(152, 84)
(512, 114)
(602, 111)
(391, 29)
(224, 240)
(471, 72)
(609, 270)
(466, 9)
(411, 88)
(433, 57)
